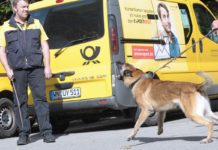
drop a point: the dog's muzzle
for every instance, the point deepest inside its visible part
(119, 73)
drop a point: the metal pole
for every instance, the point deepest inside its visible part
(18, 103)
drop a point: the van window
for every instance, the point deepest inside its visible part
(186, 22)
(204, 18)
(72, 22)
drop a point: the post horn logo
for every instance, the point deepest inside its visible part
(95, 53)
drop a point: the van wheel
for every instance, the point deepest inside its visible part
(150, 121)
(8, 126)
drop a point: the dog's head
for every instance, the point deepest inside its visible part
(129, 73)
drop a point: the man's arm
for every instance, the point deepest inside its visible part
(46, 55)
(4, 61)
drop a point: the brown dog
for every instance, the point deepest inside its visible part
(156, 95)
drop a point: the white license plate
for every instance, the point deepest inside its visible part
(62, 94)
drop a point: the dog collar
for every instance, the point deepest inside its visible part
(144, 76)
(132, 85)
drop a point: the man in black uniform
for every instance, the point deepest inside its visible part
(24, 53)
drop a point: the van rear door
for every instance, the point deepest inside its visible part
(78, 40)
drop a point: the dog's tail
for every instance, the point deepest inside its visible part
(208, 80)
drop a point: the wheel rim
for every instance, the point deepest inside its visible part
(5, 118)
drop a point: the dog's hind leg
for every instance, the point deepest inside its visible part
(206, 122)
(142, 117)
(209, 112)
(214, 118)
(160, 121)
(198, 115)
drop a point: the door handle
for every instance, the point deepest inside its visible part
(193, 45)
(201, 45)
(62, 75)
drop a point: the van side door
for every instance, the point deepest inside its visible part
(144, 33)
(185, 65)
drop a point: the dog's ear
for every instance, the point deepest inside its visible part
(127, 73)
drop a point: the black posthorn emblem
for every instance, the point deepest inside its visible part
(95, 53)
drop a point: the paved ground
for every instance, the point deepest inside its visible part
(181, 134)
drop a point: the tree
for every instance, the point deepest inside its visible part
(5, 10)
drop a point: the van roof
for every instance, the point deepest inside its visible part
(47, 3)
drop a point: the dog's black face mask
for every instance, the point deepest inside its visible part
(127, 73)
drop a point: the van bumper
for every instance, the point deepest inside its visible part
(109, 102)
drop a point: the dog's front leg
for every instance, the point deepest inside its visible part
(160, 121)
(142, 117)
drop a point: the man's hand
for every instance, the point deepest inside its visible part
(10, 74)
(47, 72)
(46, 55)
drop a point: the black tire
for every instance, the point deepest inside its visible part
(59, 125)
(90, 120)
(150, 121)
(8, 125)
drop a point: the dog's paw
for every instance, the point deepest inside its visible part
(126, 147)
(205, 141)
(160, 131)
(132, 135)
(130, 138)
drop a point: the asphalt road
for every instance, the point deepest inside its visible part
(111, 134)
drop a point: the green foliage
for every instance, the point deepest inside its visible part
(5, 10)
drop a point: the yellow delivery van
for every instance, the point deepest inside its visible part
(88, 37)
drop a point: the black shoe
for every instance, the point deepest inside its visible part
(23, 140)
(48, 138)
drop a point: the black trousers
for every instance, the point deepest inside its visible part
(35, 78)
